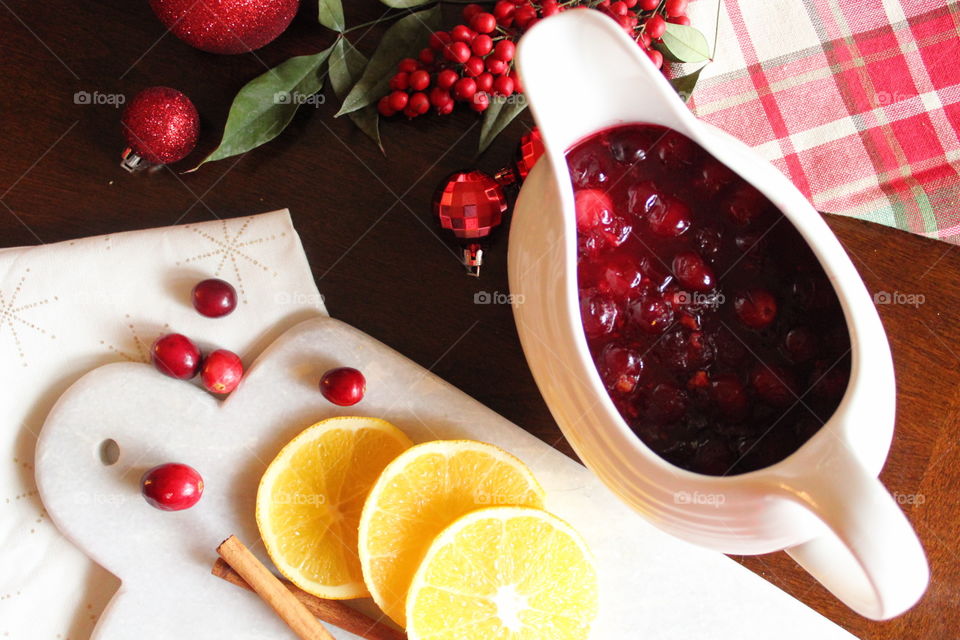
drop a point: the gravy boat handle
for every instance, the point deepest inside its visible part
(868, 556)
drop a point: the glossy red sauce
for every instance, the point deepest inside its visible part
(714, 328)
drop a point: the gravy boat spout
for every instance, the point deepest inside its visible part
(823, 504)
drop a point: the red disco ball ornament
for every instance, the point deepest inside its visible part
(226, 26)
(471, 205)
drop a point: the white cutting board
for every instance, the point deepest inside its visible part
(653, 586)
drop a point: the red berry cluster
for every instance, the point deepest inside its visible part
(646, 20)
(472, 62)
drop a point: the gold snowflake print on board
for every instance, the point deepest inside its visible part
(19, 319)
(231, 249)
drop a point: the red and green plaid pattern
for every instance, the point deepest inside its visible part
(856, 101)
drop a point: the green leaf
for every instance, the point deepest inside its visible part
(405, 4)
(264, 106)
(498, 115)
(331, 15)
(402, 40)
(346, 65)
(684, 85)
(681, 43)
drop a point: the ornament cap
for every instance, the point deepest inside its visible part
(473, 259)
(131, 161)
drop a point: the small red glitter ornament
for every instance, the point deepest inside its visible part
(226, 26)
(472, 203)
(161, 126)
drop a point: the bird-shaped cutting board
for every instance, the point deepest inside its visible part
(652, 586)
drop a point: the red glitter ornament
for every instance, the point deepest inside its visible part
(226, 26)
(161, 126)
(472, 203)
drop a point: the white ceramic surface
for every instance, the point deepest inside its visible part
(652, 585)
(824, 504)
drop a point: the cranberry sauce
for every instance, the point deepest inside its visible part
(714, 328)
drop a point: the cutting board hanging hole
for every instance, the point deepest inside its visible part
(109, 452)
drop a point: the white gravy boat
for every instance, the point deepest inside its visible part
(823, 504)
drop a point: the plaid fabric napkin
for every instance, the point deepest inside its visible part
(856, 101)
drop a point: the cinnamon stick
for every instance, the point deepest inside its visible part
(272, 591)
(333, 611)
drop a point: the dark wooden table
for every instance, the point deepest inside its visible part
(381, 262)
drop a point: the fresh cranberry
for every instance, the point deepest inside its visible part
(503, 86)
(438, 40)
(440, 98)
(222, 371)
(756, 308)
(343, 386)
(665, 404)
(600, 314)
(447, 78)
(729, 394)
(525, 16)
(483, 23)
(408, 65)
(214, 298)
(383, 106)
(480, 102)
(655, 57)
(172, 486)
(419, 80)
(176, 355)
(801, 344)
(419, 103)
(675, 8)
(774, 385)
(620, 367)
(471, 10)
(481, 45)
(655, 26)
(549, 8)
(465, 89)
(693, 272)
(473, 67)
(652, 314)
(457, 52)
(594, 208)
(504, 50)
(462, 33)
(398, 100)
(400, 82)
(485, 81)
